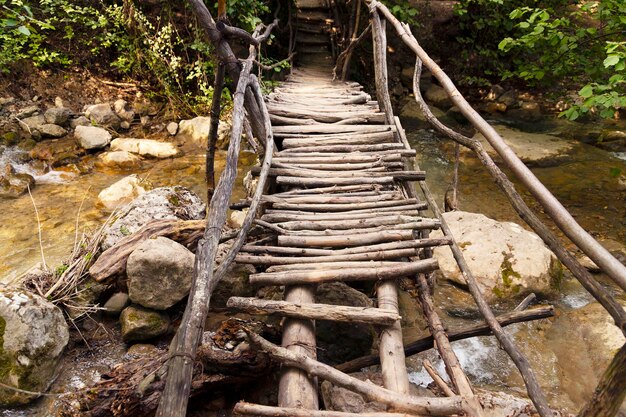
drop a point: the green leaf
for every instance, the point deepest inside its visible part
(9, 23)
(611, 60)
(615, 172)
(23, 30)
(586, 91)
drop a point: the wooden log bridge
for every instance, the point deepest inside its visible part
(337, 198)
(342, 207)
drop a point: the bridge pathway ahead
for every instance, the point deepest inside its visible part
(342, 208)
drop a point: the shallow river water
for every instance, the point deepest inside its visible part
(586, 185)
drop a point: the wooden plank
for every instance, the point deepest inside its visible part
(404, 269)
(367, 315)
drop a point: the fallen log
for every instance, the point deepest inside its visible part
(422, 344)
(247, 409)
(113, 260)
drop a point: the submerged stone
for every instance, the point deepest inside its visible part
(145, 147)
(122, 192)
(534, 149)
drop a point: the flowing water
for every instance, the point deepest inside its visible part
(587, 185)
(66, 204)
(592, 185)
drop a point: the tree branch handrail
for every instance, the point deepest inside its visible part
(561, 217)
(180, 364)
(559, 214)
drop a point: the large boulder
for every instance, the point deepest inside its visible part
(103, 115)
(140, 324)
(160, 203)
(159, 273)
(33, 334)
(145, 147)
(534, 149)
(506, 259)
(119, 160)
(592, 342)
(92, 137)
(122, 192)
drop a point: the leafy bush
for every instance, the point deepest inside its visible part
(547, 42)
(161, 45)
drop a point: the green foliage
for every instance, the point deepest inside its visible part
(546, 42)
(162, 46)
(60, 270)
(403, 11)
(246, 14)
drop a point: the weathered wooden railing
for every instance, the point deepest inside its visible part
(611, 390)
(248, 96)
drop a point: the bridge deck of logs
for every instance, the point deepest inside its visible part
(337, 197)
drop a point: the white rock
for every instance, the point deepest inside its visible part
(120, 159)
(145, 147)
(195, 131)
(92, 137)
(119, 105)
(159, 273)
(506, 259)
(122, 192)
(172, 128)
(237, 217)
(160, 203)
(33, 334)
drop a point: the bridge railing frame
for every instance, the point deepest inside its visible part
(379, 14)
(248, 103)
